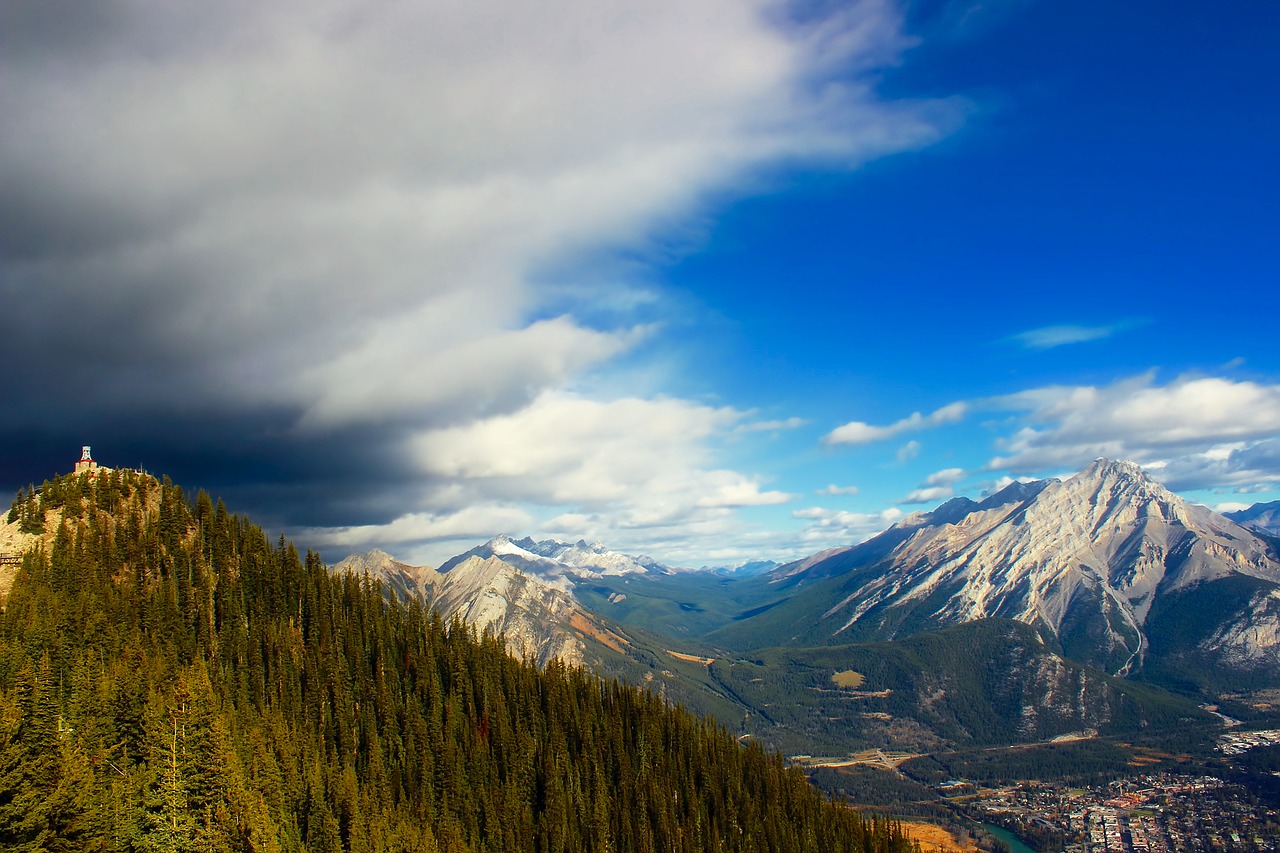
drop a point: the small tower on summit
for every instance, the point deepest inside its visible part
(86, 462)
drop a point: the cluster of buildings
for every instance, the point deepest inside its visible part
(1234, 743)
(1155, 813)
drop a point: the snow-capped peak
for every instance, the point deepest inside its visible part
(551, 559)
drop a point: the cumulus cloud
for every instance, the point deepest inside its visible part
(1002, 483)
(928, 494)
(908, 451)
(309, 241)
(833, 489)
(945, 477)
(938, 485)
(858, 432)
(613, 466)
(1193, 432)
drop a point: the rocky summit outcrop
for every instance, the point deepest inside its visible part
(1107, 561)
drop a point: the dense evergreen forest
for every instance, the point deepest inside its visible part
(171, 680)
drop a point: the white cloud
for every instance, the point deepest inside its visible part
(739, 491)
(639, 475)
(928, 495)
(833, 489)
(481, 521)
(623, 465)
(366, 197)
(827, 528)
(1004, 482)
(474, 378)
(1231, 506)
(1193, 432)
(361, 221)
(858, 432)
(773, 426)
(945, 477)
(938, 485)
(1049, 337)
(908, 451)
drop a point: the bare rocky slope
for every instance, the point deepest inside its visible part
(539, 617)
(1123, 573)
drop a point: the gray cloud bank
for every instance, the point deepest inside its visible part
(290, 250)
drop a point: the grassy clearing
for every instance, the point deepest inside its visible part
(934, 839)
(848, 679)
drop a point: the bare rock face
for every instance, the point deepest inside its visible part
(400, 579)
(1088, 559)
(536, 617)
(537, 614)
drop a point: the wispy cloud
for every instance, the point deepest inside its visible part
(908, 451)
(859, 432)
(1050, 337)
(833, 489)
(828, 528)
(773, 426)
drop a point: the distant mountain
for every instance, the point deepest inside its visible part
(1117, 570)
(505, 588)
(749, 569)
(520, 588)
(540, 618)
(1261, 517)
(402, 580)
(553, 560)
(991, 681)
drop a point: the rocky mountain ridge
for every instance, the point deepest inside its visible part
(1090, 559)
(536, 612)
(1262, 517)
(554, 561)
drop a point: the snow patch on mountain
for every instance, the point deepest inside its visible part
(559, 562)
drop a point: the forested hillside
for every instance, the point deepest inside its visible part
(171, 680)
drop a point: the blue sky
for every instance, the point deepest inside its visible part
(727, 281)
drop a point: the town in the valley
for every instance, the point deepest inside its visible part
(1150, 813)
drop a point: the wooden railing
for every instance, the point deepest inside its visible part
(10, 559)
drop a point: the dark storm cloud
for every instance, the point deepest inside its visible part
(263, 247)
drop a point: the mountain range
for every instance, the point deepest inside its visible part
(1116, 570)
(505, 588)
(1109, 572)
(1119, 571)
(1263, 518)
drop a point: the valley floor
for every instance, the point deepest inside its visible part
(1156, 813)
